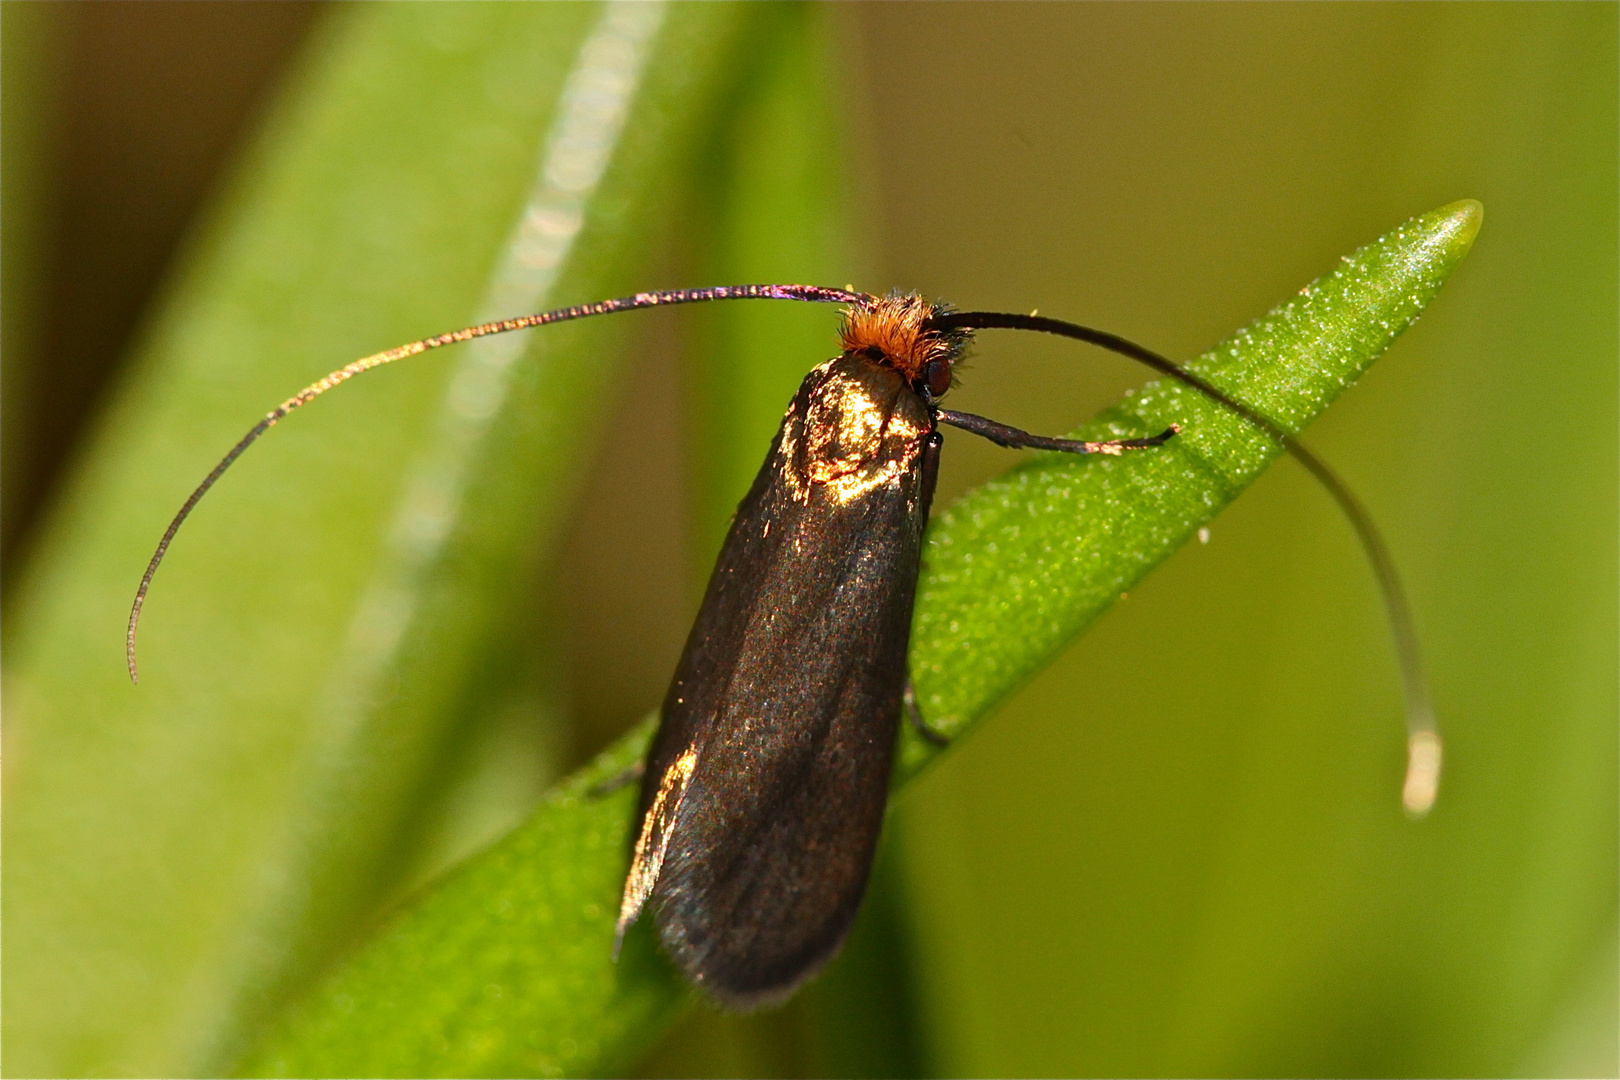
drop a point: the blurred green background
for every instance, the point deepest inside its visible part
(1178, 852)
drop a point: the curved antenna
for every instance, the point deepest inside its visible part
(1423, 747)
(809, 293)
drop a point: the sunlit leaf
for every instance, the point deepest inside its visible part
(505, 967)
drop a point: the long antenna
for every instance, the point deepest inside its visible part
(810, 293)
(1423, 747)
(1423, 741)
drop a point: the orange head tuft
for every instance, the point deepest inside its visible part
(897, 331)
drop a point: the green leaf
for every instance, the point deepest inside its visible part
(184, 855)
(505, 967)
(1021, 566)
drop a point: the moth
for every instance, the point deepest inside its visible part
(763, 792)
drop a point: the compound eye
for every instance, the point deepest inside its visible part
(937, 377)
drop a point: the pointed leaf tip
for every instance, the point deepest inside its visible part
(1452, 228)
(1466, 216)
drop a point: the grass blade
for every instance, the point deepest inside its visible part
(184, 854)
(504, 966)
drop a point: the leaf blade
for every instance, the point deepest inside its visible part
(350, 1015)
(1073, 534)
(186, 853)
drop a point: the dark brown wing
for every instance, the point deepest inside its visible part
(766, 783)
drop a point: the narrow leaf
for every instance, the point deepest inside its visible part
(183, 855)
(1021, 566)
(505, 966)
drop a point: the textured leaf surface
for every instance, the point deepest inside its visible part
(505, 967)
(1019, 567)
(184, 854)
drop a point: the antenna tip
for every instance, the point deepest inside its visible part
(1423, 755)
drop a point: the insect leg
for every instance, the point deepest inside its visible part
(915, 716)
(630, 775)
(1005, 435)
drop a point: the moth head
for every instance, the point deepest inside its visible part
(899, 332)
